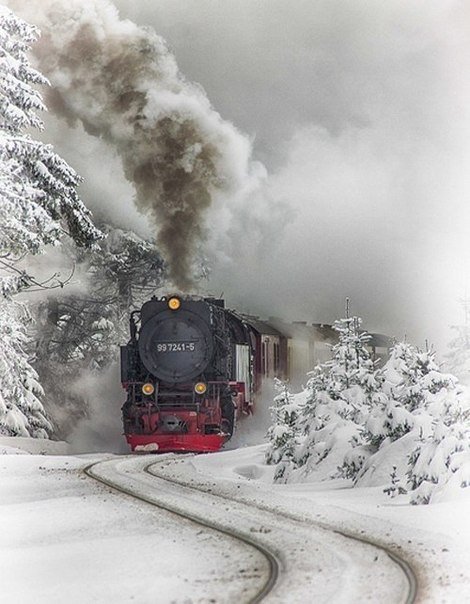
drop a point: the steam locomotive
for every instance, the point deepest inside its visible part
(191, 369)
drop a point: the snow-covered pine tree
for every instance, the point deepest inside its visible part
(356, 378)
(341, 395)
(315, 416)
(39, 201)
(282, 434)
(38, 188)
(21, 411)
(81, 333)
(443, 433)
(358, 386)
(441, 458)
(38, 205)
(426, 412)
(393, 418)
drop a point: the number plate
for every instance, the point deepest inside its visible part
(176, 347)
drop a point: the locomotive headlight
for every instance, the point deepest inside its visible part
(200, 388)
(174, 303)
(148, 389)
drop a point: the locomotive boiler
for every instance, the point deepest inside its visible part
(189, 371)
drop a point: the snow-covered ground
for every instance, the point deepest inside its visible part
(65, 538)
(314, 564)
(434, 539)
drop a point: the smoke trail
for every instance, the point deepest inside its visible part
(123, 84)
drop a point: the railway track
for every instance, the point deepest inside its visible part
(406, 568)
(273, 564)
(293, 549)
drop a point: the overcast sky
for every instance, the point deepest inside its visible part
(360, 113)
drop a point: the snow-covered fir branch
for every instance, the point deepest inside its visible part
(407, 422)
(78, 336)
(39, 205)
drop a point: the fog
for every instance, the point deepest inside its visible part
(359, 115)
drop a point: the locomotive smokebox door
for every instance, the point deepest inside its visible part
(175, 341)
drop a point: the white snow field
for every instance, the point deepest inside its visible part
(316, 565)
(64, 537)
(434, 539)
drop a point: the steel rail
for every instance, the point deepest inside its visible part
(274, 564)
(399, 561)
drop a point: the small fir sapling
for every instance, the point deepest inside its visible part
(425, 402)
(314, 417)
(395, 488)
(417, 391)
(283, 433)
(442, 458)
(341, 394)
(361, 393)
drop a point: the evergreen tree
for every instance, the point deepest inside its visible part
(393, 418)
(441, 457)
(443, 433)
(39, 202)
(358, 385)
(395, 487)
(81, 333)
(21, 411)
(340, 395)
(38, 205)
(426, 403)
(282, 435)
(314, 417)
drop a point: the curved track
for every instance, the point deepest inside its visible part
(406, 568)
(292, 547)
(272, 562)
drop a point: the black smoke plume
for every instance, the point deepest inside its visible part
(122, 83)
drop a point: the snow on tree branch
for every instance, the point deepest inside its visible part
(404, 427)
(39, 205)
(38, 189)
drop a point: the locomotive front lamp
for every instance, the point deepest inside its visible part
(148, 389)
(174, 303)
(200, 388)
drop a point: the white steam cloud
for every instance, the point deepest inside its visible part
(361, 112)
(123, 85)
(101, 429)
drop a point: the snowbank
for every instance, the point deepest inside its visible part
(433, 538)
(18, 445)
